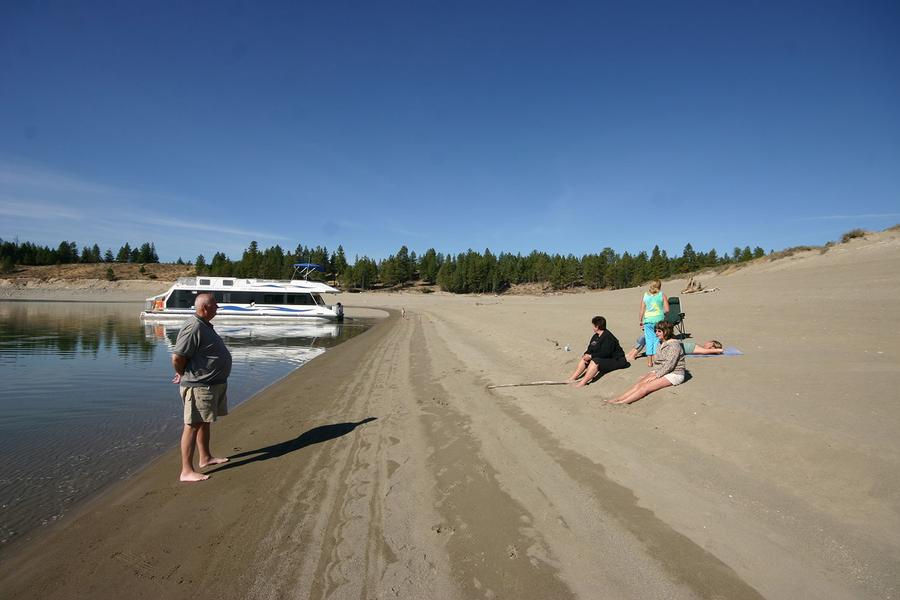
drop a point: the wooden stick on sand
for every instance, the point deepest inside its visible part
(502, 385)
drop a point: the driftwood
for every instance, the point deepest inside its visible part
(504, 385)
(692, 287)
(695, 287)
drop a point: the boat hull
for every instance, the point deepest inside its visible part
(224, 316)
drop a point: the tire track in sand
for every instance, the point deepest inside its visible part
(602, 536)
(349, 526)
(494, 551)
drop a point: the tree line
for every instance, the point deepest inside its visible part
(27, 253)
(467, 272)
(472, 271)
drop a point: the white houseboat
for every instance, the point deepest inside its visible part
(258, 300)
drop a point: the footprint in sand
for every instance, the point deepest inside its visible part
(442, 529)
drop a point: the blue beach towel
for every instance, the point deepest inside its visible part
(729, 351)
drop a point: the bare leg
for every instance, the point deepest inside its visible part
(188, 441)
(579, 369)
(632, 354)
(588, 375)
(642, 390)
(644, 379)
(206, 458)
(702, 350)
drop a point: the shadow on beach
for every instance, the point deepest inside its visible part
(316, 435)
(599, 376)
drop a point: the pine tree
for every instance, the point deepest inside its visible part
(339, 263)
(200, 265)
(688, 259)
(428, 266)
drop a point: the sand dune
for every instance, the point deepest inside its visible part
(387, 469)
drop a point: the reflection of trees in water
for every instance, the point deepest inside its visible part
(85, 329)
(73, 332)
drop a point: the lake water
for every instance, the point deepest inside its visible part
(87, 396)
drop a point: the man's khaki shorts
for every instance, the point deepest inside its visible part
(204, 404)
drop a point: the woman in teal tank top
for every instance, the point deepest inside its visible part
(654, 306)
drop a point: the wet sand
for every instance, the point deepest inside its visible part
(386, 469)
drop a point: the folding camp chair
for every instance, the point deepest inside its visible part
(676, 317)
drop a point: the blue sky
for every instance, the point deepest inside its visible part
(560, 126)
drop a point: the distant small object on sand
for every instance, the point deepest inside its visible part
(695, 287)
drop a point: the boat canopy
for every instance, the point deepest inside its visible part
(304, 269)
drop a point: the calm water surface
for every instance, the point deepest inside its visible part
(86, 396)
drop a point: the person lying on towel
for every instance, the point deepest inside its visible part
(710, 347)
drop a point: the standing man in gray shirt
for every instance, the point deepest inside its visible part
(202, 365)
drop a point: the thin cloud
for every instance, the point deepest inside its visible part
(849, 217)
(211, 227)
(30, 209)
(94, 202)
(42, 179)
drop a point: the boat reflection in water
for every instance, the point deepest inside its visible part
(295, 344)
(53, 357)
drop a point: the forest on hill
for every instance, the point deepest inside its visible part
(465, 272)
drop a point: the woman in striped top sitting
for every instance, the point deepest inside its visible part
(668, 367)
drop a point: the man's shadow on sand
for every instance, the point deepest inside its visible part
(316, 435)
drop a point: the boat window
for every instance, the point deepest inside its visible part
(273, 298)
(228, 282)
(318, 299)
(241, 297)
(204, 282)
(226, 296)
(181, 299)
(300, 299)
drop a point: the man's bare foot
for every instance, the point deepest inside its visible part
(213, 461)
(193, 476)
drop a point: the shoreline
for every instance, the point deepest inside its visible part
(81, 290)
(386, 468)
(23, 560)
(140, 426)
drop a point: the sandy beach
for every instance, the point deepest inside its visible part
(386, 468)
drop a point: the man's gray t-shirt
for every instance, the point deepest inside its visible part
(209, 361)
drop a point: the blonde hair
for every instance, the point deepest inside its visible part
(655, 286)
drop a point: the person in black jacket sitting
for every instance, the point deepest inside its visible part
(603, 354)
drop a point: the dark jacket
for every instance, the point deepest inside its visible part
(604, 345)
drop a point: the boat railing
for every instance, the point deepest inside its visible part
(195, 281)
